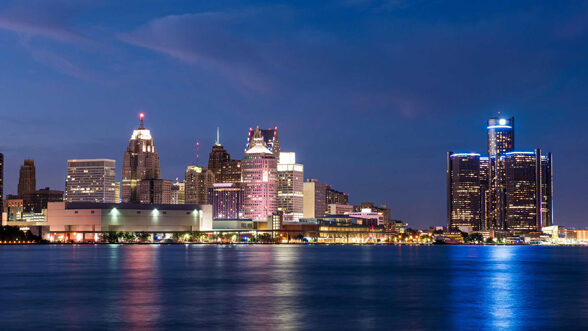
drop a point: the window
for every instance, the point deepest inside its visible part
(138, 212)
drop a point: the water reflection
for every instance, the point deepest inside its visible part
(293, 287)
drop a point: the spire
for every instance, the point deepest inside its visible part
(141, 115)
(256, 144)
(217, 142)
(197, 152)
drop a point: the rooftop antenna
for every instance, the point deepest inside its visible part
(141, 115)
(197, 152)
(217, 142)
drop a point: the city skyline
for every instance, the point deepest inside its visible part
(359, 114)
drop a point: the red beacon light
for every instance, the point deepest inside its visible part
(141, 115)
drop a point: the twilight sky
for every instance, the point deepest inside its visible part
(369, 94)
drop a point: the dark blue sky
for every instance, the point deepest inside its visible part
(369, 94)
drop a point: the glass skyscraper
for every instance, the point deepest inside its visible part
(91, 180)
(506, 190)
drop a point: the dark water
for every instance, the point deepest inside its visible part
(293, 287)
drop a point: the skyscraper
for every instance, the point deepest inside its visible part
(259, 179)
(178, 191)
(27, 181)
(91, 180)
(224, 169)
(226, 200)
(270, 138)
(197, 181)
(154, 191)
(315, 200)
(290, 187)
(464, 192)
(141, 162)
(508, 190)
(336, 197)
(528, 191)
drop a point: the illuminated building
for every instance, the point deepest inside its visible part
(117, 192)
(528, 191)
(314, 201)
(84, 216)
(270, 138)
(338, 209)
(334, 196)
(197, 181)
(1, 184)
(224, 169)
(367, 214)
(178, 191)
(226, 200)
(141, 162)
(464, 192)
(382, 210)
(259, 179)
(154, 191)
(27, 181)
(290, 187)
(37, 201)
(275, 220)
(506, 190)
(90, 180)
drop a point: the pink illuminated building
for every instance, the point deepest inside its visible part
(259, 176)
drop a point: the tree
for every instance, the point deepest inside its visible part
(110, 237)
(142, 236)
(476, 238)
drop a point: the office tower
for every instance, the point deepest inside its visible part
(514, 189)
(226, 200)
(290, 187)
(314, 201)
(154, 191)
(1, 184)
(224, 169)
(336, 197)
(117, 192)
(501, 138)
(141, 162)
(36, 201)
(27, 181)
(178, 191)
(528, 191)
(259, 179)
(270, 138)
(91, 180)
(197, 181)
(464, 197)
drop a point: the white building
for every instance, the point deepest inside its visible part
(290, 187)
(79, 217)
(367, 213)
(91, 180)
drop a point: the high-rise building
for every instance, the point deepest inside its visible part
(290, 187)
(464, 196)
(197, 181)
(36, 201)
(91, 180)
(270, 138)
(1, 183)
(528, 191)
(27, 181)
(178, 191)
(507, 190)
(141, 162)
(154, 191)
(314, 201)
(117, 192)
(336, 197)
(224, 169)
(259, 179)
(226, 200)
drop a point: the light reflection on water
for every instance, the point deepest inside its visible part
(147, 287)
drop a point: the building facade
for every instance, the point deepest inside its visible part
(178, 193)
(336, 197)
(464, 192)
(226, 200)
(290, 187)
(91, 180)
(259, 180)
(506, 190)
(197, 181)
(155, 191)
(141, 162)
(27, 180)
(315, 200)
